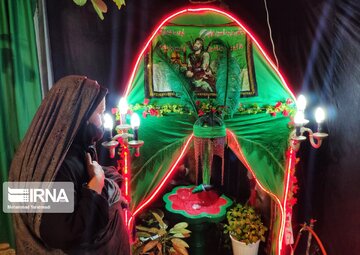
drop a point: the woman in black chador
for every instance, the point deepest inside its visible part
(59, 146)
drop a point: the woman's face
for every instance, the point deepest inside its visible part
(97, 117)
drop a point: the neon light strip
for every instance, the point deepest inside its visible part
(125, 161)
(290, 159)
(146, 46)
(162, 183)
(282, 215)
(227, 14)
(268, 59)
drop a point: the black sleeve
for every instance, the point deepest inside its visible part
(67, 230)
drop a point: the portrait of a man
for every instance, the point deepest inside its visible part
(205, 63)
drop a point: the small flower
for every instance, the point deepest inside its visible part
(292, 201)
(295, 189)
(285, 113)
(278, 104)
(146, 101)
(144, 114)
(153, 112)
(213, 110)
(129, 112)
(288, 101)
(197, 102)
(200, 113)
(273, 114)
(114, 110)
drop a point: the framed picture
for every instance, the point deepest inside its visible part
(204, 58)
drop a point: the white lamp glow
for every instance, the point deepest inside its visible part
(301, 103)
(135, 120)
(111, 145)
(319, 115)
(135, 124)
(123, 108)
(108, 121)
(299, 118)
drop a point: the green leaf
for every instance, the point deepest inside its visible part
(80, 2)
(97, 9)
(142, 234)
(179, 235)
(150, 230)
(181, 225)
(161, 222)
(119, 3)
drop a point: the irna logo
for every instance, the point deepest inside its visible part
(37, 195)
(33, 197)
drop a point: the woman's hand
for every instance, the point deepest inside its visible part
(96, 174)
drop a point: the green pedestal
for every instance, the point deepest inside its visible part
(199, 238)
(202, 226)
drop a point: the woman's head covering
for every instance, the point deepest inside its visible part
(66, 107)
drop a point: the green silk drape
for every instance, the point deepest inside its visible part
(262, 138)
(20, 88)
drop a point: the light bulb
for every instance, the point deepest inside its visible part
(319, 115)
(301, 103)
(108, 121)
(123, 106)
(299, 118)
(135, 121)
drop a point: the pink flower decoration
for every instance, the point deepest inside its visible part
(288, 101)
(146, 101)
(273, 114)
(114, 110)
(153, 112)
(197, 102)
(285, 113)
(278, 104)
(129, 112)
(144, 114)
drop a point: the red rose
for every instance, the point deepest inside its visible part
(273, 114)
(197, 102)
(288, 101)
(278, 104)
(213, 110)
(152, 112)
(144, 114)
(114, 110)
(285, 113)
(146, 101)
(200, 113)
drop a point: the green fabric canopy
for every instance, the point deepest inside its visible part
(263, 138)
(20, 87)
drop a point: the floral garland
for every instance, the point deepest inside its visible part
(206, 107)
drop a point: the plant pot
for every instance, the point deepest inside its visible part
(241, 248)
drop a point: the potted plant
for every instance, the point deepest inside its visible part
(245, 229)
(154, 238)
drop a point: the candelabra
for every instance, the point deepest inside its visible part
(298, 135)
(122, 129)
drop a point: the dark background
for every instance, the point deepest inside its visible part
(317, 43)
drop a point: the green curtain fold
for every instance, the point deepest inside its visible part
(19, 85)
